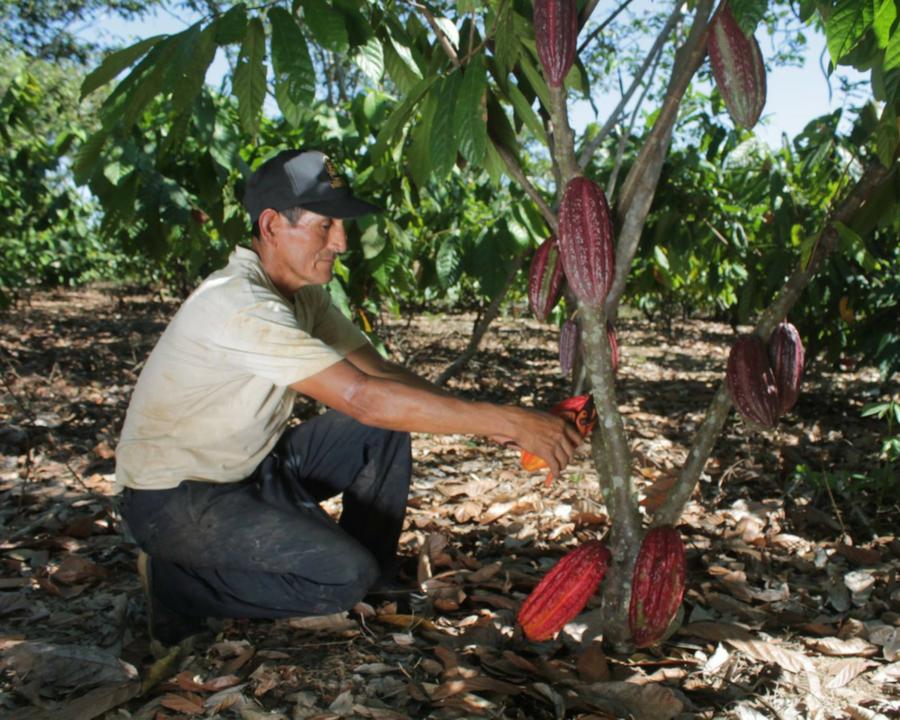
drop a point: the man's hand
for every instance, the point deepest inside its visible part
(551, 438)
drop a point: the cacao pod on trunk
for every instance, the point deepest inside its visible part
(613, 346)
(545, 279)
(556, 36)
(786, 356)
(586, 241)
(751, 382)
(738, 68)
(563, 591)
(657, 585)
(569, 338)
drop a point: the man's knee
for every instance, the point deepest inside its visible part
(354, 575)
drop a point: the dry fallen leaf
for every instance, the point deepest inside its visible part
(592, 665)
(844, 672)
(647, 702)
(187, 703)
(75, 569)
(335, 622)
(836, 647)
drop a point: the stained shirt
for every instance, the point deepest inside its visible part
(213, 397)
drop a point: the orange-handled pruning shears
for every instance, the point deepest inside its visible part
(578, 410)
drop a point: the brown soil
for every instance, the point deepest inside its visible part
(792, 608)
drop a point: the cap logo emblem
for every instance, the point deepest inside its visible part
(336, 180)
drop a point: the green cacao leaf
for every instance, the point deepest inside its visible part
(846, 26)
(420, 149)
(295, 77)
(526, 113)
(249, 82)
(88, 157)
(470, 112)
(190, 66)
(370, 59)
(449, 262)
(506, 42)
(372, 239)
(887, 137)
(400, 116)
(535, 78)
(885, 14)
(115, 63)
(232, 25)
(141, 83)
(399, 63)
(326, 24)
(442, 138)
(892, 52)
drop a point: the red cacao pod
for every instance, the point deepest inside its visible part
(563, 591)
(786, 356)
(556, 36)
(657, 585)
(569, 337)
(586, 241)
(613, 346)
(545, 279)
(738, 68)
(751, 382)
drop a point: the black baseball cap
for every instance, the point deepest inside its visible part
(306, 179)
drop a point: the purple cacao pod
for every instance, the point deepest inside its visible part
(738, 68)
(586, 241)
(569, 337)
(545, 279)
(786, 356)
(751, 382)
(556, 36)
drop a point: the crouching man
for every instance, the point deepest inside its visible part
(222, 498)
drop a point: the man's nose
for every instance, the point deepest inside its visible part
(338, 236)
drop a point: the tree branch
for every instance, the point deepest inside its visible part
(640, 184)
(874, 176)
(441, 36)
(613, 118)
(516, 171)
(586, 13)
(620, 151)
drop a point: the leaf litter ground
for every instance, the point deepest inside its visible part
(793, 603)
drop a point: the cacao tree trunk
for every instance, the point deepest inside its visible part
(610, 449)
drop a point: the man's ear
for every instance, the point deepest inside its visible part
(267, 220)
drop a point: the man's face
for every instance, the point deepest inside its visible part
(306, 251)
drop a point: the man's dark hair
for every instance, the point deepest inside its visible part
(293, 216)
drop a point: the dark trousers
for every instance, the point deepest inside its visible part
(263, 547)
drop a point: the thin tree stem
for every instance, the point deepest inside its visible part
(613, 118)
(586, 13)
(518, 174)
(640, 183)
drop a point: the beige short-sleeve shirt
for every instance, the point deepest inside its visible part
(213, 397)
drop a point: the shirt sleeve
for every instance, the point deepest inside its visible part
(332, 327)
(265, 339)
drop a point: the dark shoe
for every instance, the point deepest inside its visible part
(166, 626)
